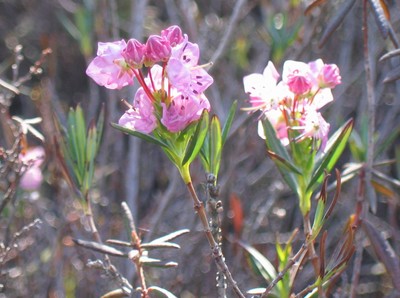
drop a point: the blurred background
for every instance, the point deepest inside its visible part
(239, 37)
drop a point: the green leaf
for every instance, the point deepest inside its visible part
(275, 145)
(164, 292)
(260, 264)
(281, 162)
(143, 136)
(334, 148)
(229, 121)
(197, 140)
(100, 127)
(215, 145)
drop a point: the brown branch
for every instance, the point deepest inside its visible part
(215, 249)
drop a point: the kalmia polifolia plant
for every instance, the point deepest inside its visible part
(169, 108)
(296, 135)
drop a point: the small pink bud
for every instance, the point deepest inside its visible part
(173, 34)
(157, 49)
(330, 76)
(134, 53)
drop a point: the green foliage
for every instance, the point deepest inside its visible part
(80, 146)
(212, 147)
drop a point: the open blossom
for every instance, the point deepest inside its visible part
(32, 177)
(297, 75)
(109, 68)
(141, 116)
(292, 105)
(183, 110)
(183, 71)
(262, 88)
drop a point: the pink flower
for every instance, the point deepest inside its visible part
(157, 49)
(330, 76)
(326, 75)
(183, 71)
(32, 177)
(183, 110)
(173, 34)
(297, 75)
(314, 126)
(109, 68)
(275, 117)
(134, 53)
(141, 116)
(262, 88)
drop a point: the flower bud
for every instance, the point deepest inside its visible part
(157, 49)
(134, 53)
(329, 76)
(173, 34)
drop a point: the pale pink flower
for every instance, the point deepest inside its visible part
(297, 75)
(157, 49)
(183, 110)
(141, 116)
(182, 69)
(173, 34)
(321, 98)
(314, 126)
(109, 68)
(330, 76)
(134, 53)
(262, 88)
(32, 177)
(326, 75)
(275, 117)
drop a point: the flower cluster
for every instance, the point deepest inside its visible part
(292, 105)
(171, 92)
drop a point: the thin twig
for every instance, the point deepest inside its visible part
(215, 249)
(370, 104)
(214, 207)
(291, 262)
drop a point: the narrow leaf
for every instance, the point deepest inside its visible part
(163, 265)
(380, 17)
(105, 249)
(155, 245)
(275, 145)
(283, 162)
(170, 236)
(313, 5)
(229, 121)
(384, 252)
(336, 21)
(215, 145)
(392, 76)
(100, 127)
(334, 148)
(143, 136)
(382, 189)
(162, 291)
(118, 293)
(261, 264)
(390, 54)
(196, 142)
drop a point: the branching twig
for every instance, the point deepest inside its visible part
(292, 261)
(215, 249)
